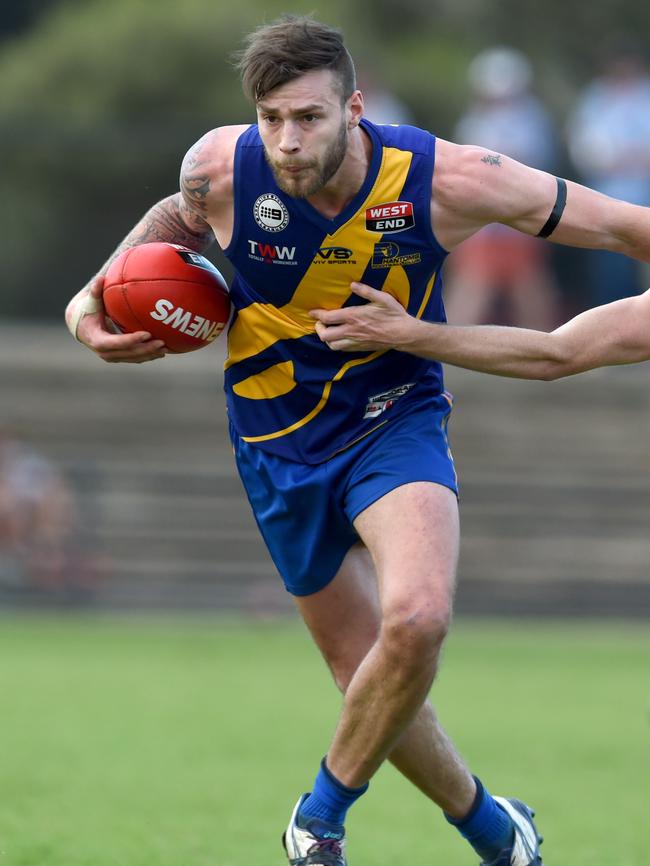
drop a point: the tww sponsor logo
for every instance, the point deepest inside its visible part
(271, 253)
(392, 216)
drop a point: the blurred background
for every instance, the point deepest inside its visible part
(117, 486)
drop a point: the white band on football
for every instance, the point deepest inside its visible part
(85, 306)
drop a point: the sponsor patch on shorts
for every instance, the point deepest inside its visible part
(380, 402)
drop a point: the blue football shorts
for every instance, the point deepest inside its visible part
(305, 513)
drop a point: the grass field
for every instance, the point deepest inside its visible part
(186, 742)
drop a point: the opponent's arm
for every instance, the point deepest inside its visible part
(180, 218)
(617, 333)
(473, 187)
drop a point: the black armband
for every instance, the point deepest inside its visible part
(558, 208)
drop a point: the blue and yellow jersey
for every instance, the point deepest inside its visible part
(288, 392)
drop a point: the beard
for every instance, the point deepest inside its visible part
(313, 175)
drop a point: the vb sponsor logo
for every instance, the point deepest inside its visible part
(334, 256)
(271, 254)
(390, 217)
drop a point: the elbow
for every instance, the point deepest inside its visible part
(556, 366)
(560, 357)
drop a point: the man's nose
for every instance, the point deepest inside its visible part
(289, 140)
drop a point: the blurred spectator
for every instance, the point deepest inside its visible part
(500, 275)
(609, 143)
(38, 525)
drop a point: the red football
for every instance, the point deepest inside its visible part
(170, 291)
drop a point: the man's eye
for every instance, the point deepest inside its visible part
(309, 117)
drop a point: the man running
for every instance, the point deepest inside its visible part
(344, 457)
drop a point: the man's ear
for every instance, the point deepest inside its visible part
(354, 108)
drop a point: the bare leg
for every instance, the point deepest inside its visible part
(384, 673)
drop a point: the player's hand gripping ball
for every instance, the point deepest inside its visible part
(170, 291)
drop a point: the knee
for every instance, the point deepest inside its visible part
(414, 632)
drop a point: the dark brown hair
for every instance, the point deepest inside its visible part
(287, 48)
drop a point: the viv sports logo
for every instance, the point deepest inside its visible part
(334, 256)
(393, 216)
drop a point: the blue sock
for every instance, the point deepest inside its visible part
(487, 827)
(330, 799)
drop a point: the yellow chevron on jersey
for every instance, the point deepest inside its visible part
(426, 297)
(272, 382)
(287, 391)
(258, 326)
(278, 380)
(319, 406)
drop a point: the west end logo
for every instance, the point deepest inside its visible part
(270, 213)
(390, 217)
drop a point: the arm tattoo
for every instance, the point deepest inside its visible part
(178, 219)
(492, 159)
(165, 223)
(195, 188)
(195, 183)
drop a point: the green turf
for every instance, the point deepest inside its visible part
(186, 743)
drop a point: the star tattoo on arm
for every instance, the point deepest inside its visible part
(492, 159)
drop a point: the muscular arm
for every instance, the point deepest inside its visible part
(617, 333)
(473, 187)
(168, 220)
(183, 218)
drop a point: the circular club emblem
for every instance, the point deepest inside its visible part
(270, 213)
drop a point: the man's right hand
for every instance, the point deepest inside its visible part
(94, 331)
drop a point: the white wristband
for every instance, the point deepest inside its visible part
(85, 306)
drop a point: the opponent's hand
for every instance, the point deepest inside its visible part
(377, 325)
(96, 332)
